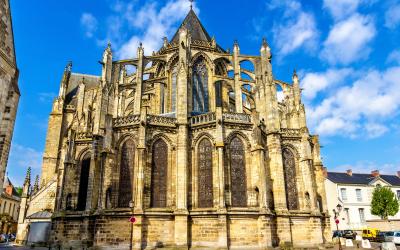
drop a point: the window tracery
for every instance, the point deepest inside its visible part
(289, 168)
(126, 173)
(200, 87)
(205, 176)
(159, 170)
(238, 173)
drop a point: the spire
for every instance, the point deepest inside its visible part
(194, 27)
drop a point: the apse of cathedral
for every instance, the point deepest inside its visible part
(201, 150)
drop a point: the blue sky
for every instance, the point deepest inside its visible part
(346, 52)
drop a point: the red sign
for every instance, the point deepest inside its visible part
(132, 219)
(337, 221)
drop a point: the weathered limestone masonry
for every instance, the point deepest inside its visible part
(194, 143)
(9, 91)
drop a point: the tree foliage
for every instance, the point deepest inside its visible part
(384, 202)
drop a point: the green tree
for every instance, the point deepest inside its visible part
(384, 202)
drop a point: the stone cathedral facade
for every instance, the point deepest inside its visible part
(9, 90)
(198, 145)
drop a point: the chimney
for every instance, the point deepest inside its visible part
(375, 173)
(325, 172)
(349, 172)
(398, 174)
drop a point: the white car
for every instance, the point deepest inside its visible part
(396, 237)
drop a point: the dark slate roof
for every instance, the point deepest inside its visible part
(40, 215)
(363, 179)
(75, 79)
(195, 28)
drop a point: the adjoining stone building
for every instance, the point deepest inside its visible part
(9, 91)
(9, 207)
(197, 143)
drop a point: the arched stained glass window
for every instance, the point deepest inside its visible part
(173, 88)
(238, 173)
(289, 169)
(83, 183)
(126, 173)
(200, 87)
(205, 176)
(159, 170)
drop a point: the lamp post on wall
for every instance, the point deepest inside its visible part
(336, 213)
(131, 220)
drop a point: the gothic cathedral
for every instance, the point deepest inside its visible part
(200, 149)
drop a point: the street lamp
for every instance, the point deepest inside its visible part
(336, 216)
(131, 206)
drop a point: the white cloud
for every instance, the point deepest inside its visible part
(394, 57)
(341, 8)
(21, 157)
(47, 96)
(375, 130)
(365, 167)
(312, 83)
(392, 16)
(297, 29)
(149, 22)
(348, 40)
(358, 108)
(89, 24)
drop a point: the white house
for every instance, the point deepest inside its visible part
(353, 192)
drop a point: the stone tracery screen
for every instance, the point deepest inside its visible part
(200, 86)
(289, 168)
(205, 175)
(238, 173)
(126, 173)
(159, 171)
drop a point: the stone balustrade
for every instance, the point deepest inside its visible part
(126, 121)
(203, 118)
(161, 120)
(236, 117)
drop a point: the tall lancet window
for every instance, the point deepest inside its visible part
(159, 171)
(126, 173)
(289, 169)
(200, 87)
(174, 78)
(238, 173)
(205, 176)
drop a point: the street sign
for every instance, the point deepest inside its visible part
(337, 221)
(132, 219)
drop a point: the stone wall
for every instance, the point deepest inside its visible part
(241, 232)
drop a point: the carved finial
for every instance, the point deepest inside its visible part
(264, 42)
(68, 67)
(28, 176)
(294, 73)
(191, 4)
(165, 39)
(36, 185)
(109, 44)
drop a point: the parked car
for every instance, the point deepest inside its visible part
(370, 234)
(349, 234)
(396, 237)
(389, 236)
(337, 233)
(381, 237)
